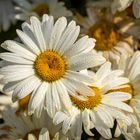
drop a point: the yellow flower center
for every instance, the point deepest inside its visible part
(33, 132)
(49, 66)
(106, 35)
(90, 103)
(41, 9)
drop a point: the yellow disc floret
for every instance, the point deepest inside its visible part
(106, 38)
(90, 103)
(49, 66)
(41, 9)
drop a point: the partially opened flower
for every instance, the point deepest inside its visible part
(97, 111)
(24, 127)
(7, 14)
(45, 68)
(39, 7)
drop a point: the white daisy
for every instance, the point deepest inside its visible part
(126, 23)
(46, 66)
(120, 5)
(97, 111)
(109, 42)
(27, 128)
(40, 7)
(131, 67)
(7, 14)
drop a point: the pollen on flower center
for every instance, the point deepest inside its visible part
(90, 103)
(41, 9)
(49, 66)
(106, 38)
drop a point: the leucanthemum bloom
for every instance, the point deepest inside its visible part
(131, 67)
(97, 111)
(7, 14)
(39, 7)
(45, 68)
(121, 5)
(24, 127)
(109, 42)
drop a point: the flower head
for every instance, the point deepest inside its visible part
(98, 111)
(46, 66)
(39, 7)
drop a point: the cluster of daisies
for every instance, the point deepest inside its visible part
(60, 82)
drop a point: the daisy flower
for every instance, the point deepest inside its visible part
(126, 23)
(109, 42)
(131, 67)
(45, 68)
(97, 111)
(40, 7)
(27, 128)
(7, 14)
(120, 5)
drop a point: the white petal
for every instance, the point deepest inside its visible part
(63, 94)
(50, 107)
(38, 32)
(25, 87)
(105, 117)
(70, 28)
(104, 70)
(37, 97)
(112, 84)
(11, 57)
(14, 76)
(84, 61)
(66, 125)
(69, 40)
(118, 104)
(78, 76)
(57, 31)
(55, 96)
(10, 86)
(80, 88)
(28, 42)
(28, 29)
(15, 68)
(47, 27)
(87, 122)
(18, 48)
(59, 118)
(31, 137)
(84, 44)
(76, 127)
(120, 96)
(105, 132)
(44, 134)
(136, 8)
